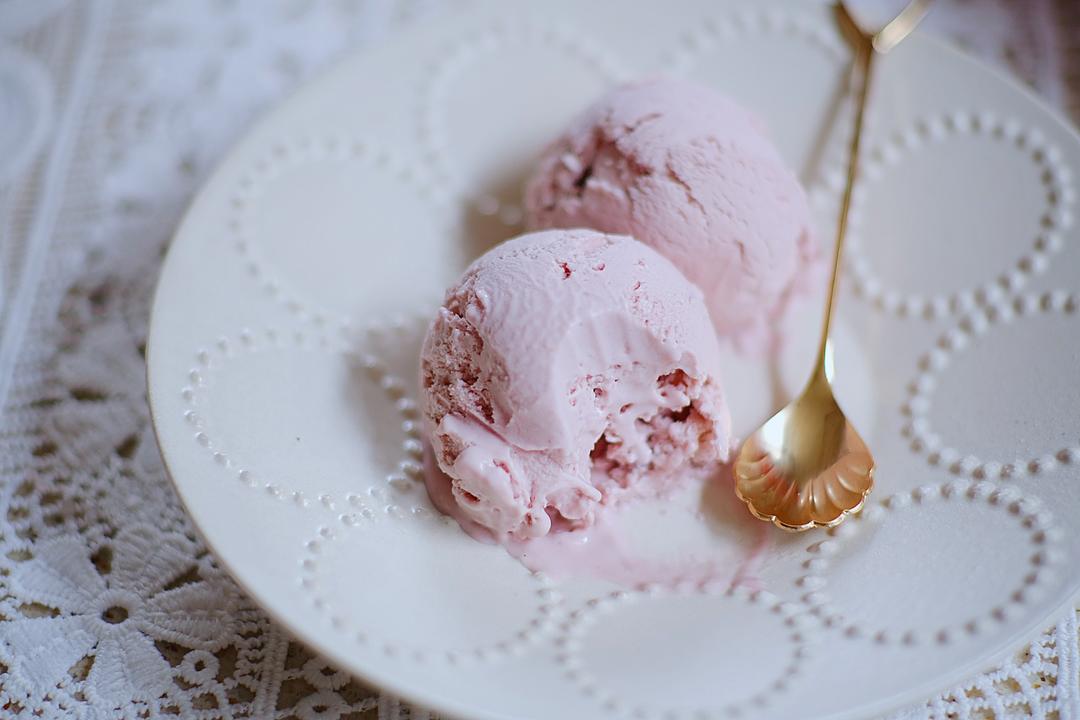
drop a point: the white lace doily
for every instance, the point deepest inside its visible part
(112, 112)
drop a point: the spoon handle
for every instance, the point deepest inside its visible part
(863, 65)
(901, 26)
(867, 47)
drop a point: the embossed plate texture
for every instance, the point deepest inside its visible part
(282, 367)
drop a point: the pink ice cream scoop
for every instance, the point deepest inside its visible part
(566, 370)
(693, 175)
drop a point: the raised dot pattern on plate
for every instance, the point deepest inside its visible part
(796, 626)
(402, 483)
(1035, 520)
(918, 429)
(382, 506)
(712, 31)
(545, 598)
(925, 133)
(283, 156)
(477, 42)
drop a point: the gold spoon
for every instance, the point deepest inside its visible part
(806, 466)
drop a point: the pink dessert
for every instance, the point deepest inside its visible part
(567, 370)
(693, 175)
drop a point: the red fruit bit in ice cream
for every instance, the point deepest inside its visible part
(546, 402)
(693, 175)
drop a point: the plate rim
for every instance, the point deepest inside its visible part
(383, 681)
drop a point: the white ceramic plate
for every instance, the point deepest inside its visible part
(286, 325)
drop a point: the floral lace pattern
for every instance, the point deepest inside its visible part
(109, 604)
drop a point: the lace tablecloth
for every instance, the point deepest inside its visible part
(112, 112)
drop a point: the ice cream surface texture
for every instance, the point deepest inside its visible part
(693, 175)
(566, 370)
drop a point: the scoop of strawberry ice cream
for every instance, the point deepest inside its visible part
(693, 175)
(566, 370)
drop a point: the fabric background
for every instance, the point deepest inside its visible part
(112, 113)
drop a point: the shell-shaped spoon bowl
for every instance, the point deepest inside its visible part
(807, 466)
